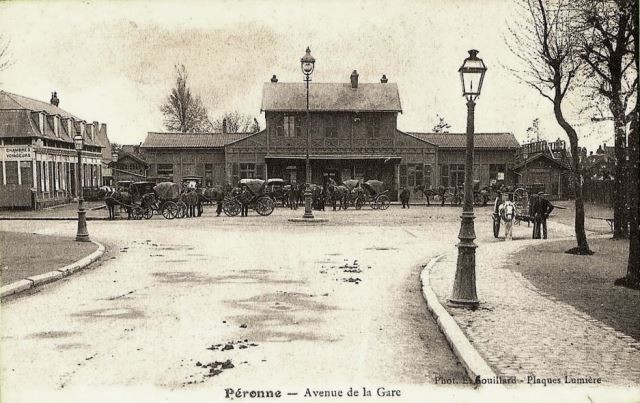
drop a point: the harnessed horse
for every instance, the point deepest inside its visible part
(338, 193)
(112, 198)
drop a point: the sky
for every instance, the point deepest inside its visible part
(113, 62)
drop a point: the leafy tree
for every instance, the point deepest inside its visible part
(184, 112)
(550, 63)
(442, 126)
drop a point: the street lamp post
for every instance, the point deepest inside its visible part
(83, 234)
(114, 160)
(307, 63)
(464, 287)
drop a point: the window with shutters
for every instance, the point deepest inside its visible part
(414, 175)
(426, 176)
(456, 174)
(403, 175)
(331, 128)
(165, 170)
(444, 175)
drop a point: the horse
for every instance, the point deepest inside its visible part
(113, 198)
(192, 199)
(338, 193)
(426, 193)
(507, 211)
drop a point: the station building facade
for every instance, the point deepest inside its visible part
(39, 160)
(353, 135)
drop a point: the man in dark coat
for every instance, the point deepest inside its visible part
(543, 210)
(533, 210)
(405, 194)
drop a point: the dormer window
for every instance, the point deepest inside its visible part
(56, 125)
(70, 130)
(41, 122)
(83, 129)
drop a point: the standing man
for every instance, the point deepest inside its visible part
(544, 210)
(405, 194)
(244, 201)
(533, 213)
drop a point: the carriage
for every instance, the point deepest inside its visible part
(520, 199)
(165, 198)
(254, 196)
(372, 192)
(275, 188)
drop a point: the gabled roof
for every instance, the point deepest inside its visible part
(538, 156)
(367, 97)
(191, 140)
(136, 157)
(9, 101)
(459, 140)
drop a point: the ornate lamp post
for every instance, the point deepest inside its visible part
(82, 235)
(307, 63)
(464, 287)
(114, 159)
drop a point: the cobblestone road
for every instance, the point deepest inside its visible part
(521, 331)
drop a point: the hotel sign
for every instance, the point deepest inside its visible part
(16, 153)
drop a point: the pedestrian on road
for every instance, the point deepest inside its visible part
(405, 194)
(244, 201)
(544, 209)
(533, 213)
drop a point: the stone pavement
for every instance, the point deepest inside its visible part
(521, 331)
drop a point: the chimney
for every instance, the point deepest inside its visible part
(224, 125)
(274, 79)
(354, 79)
(384, 79)
(54, 99)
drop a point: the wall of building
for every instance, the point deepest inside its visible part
(207, 163)
(488, 164)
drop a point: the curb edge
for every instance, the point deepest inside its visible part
(52, 276)
(473, 363)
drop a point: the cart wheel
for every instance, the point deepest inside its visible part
(147, 213)
(231, 207)
(264, 206)
(358, 203)
(496, 225)
(170, 210)
(383, 202)
(182, 209)
(137, 213)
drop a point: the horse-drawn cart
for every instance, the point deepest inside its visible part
(252, 193)
(520, 199)
(165, 199)
(373, 192)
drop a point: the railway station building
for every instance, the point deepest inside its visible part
(353, 135)
(39, 160)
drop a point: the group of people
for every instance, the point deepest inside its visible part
(539, 211)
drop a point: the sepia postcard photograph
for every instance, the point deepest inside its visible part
(319, 201)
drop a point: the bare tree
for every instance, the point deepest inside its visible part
(632, 278)
(548, 50)
(607, 47)
(442, 126)
(235, 122)
(533, 131)
(184, 112)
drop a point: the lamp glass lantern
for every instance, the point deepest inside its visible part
(307, 63)
(78, 142)
(472, 75)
